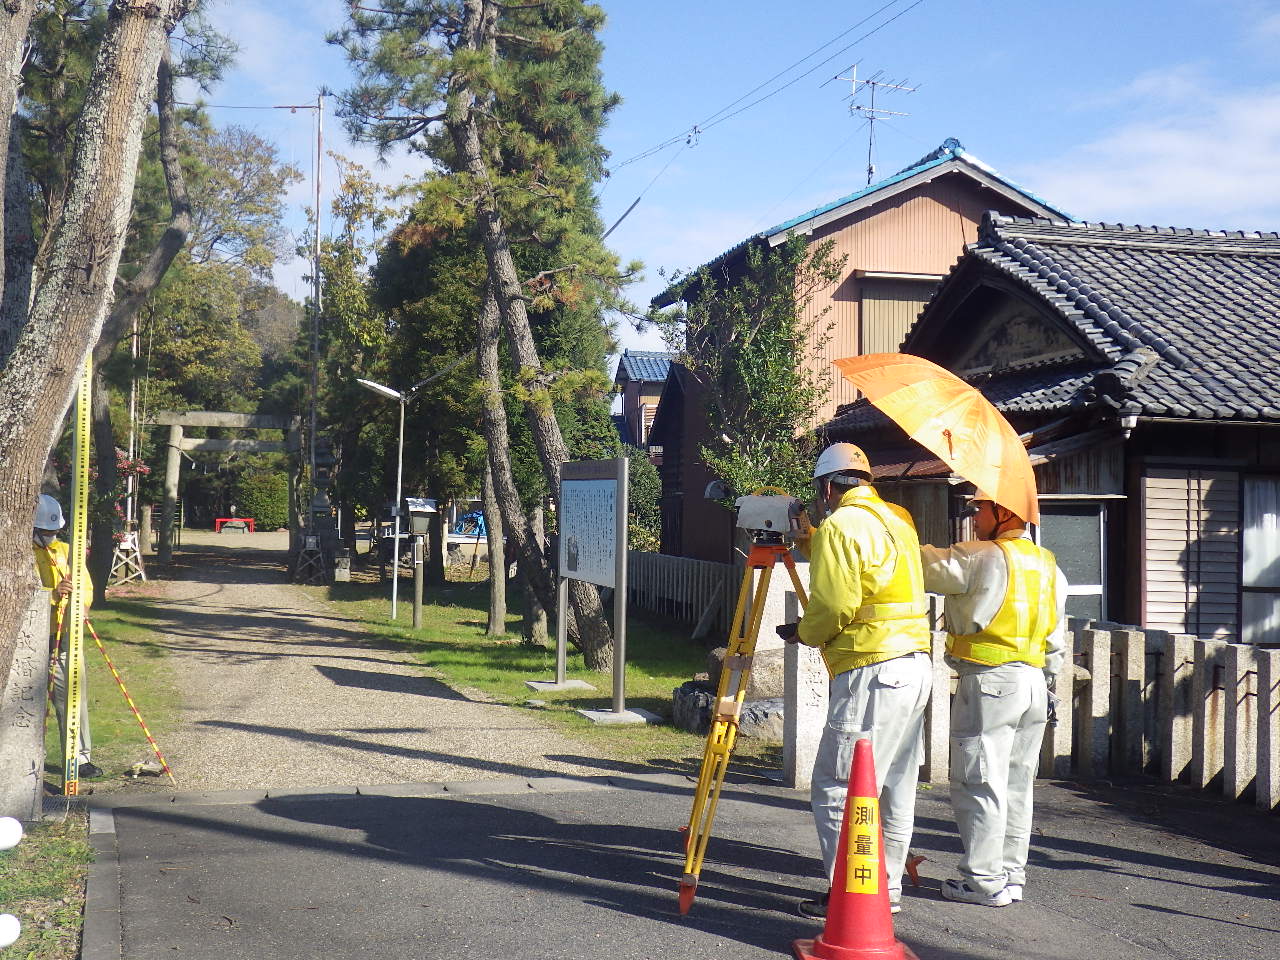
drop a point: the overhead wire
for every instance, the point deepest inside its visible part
(722, 114)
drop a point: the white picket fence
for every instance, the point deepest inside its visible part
(691, 591)
(1178, 708)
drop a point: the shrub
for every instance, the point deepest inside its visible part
(264, 495)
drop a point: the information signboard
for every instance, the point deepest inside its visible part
(588, 512)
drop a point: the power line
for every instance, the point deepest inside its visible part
(721, 115)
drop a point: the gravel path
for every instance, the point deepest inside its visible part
(280, 692)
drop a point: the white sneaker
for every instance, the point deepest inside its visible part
(1015, 891)
(895, 906)
(960, 892)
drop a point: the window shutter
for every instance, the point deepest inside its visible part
(1191, 541)
(889, 308)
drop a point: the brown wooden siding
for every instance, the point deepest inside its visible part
(889, 308)
(922, 231)
(1191, 551)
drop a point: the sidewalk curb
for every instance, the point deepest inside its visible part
(102, 936)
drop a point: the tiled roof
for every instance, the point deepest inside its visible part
(951, 151)
(650, 366)
(1059, 387)
(1185, 323)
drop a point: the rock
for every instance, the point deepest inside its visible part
(767, 673)
(692, 705)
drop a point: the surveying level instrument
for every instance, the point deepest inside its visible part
(76, 602)
(775, 521)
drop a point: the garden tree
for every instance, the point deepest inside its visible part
(644, 519)
(754, 344)
(507, 101)
(45, 345)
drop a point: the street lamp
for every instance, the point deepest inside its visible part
(403, 398)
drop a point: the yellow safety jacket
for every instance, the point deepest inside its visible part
(866, 585)
(1027, 616)
(54, 566)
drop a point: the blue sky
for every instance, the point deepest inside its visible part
(1142, 111)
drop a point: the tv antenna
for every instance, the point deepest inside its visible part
(873, 84)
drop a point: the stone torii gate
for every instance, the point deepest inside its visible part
(176, 422)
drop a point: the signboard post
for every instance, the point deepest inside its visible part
(592, 519)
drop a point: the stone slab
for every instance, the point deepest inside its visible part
(634, 715)
(805, 693)
(484, 788)
(545, 686)
(401, 790)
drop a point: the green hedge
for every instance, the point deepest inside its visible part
(264, 496)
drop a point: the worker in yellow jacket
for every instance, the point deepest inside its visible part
(52, 558)
(1004, 610)
(867, 615)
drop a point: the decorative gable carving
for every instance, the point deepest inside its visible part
(1014, 334)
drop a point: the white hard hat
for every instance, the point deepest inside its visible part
(48, 514)
(842, 458)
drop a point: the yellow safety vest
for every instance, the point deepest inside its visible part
(891, 622)
(54, 565)
(1029, 613)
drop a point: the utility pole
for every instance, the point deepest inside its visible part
(316, 306)
(870, 111)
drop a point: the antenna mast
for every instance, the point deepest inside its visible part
(870, 110)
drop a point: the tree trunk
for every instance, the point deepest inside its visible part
(19, 247)
(594, 636)
(119, 321)
(535, 611)
(493, 424)
(497, 624)
(74, 289)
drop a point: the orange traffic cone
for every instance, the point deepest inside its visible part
(859, 924)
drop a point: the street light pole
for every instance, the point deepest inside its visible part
(395, 559)
(403, 396)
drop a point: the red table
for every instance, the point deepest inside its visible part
(217, 523)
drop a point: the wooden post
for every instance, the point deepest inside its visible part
(1239, 732)
(173, 462)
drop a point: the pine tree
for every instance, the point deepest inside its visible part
(507, 101)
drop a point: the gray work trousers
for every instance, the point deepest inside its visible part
(997, 722)
(885, 703)
(60, 703)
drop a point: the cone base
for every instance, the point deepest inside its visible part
(821, 950)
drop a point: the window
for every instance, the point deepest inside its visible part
(1260, 583)
(889, 308)
(1074, 532)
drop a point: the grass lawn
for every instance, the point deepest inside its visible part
(452, 645)
(118, 742)
(42, 883)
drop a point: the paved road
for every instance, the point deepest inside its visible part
(505, 840)
(586, 868)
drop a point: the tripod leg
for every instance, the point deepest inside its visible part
(734, 677)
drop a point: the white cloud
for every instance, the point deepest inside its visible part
(1194, 154)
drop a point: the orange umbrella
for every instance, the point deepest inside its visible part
(954, 421)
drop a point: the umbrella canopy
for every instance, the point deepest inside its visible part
(954, 421)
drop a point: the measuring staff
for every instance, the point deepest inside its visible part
(867, 614)
(53, 563)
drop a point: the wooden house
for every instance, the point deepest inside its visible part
(640, 378)
(1143, 365)
(900, 236)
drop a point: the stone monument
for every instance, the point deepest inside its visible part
(22, 715)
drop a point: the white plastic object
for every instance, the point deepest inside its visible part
(10, 929)
(10, 833)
